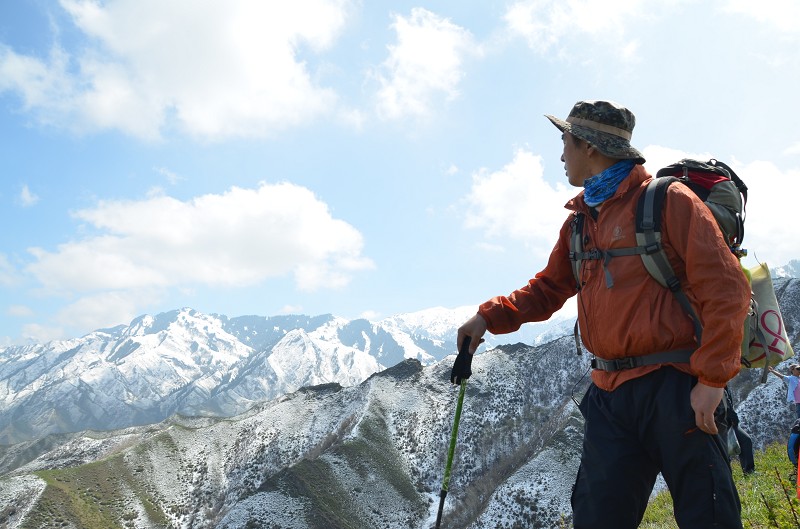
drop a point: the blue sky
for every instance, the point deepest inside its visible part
(356, 158)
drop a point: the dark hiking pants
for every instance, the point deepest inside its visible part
(644, 427)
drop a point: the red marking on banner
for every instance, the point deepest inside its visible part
(775, 333)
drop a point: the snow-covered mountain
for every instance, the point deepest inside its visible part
(211, 365)
(364, 452)
(199, 364)
(364, 456)
(792, 269)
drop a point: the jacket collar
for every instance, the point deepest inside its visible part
(634, 180)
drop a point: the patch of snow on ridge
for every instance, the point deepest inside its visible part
(411, 349)
(273, 506)
(436, 323)
(541, 488)
(21, 492)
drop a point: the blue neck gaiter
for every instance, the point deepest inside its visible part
(601, 187)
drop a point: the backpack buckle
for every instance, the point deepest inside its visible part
(652, 248)
(594, 253)
(618, 364)
(674, 284)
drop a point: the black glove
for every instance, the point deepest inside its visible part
(462, 367)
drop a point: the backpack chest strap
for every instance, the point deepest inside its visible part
(606, 255)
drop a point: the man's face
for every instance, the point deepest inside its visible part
(576, 159)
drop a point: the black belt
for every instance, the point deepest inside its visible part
(677, 356)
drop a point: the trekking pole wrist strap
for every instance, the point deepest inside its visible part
(676, 356)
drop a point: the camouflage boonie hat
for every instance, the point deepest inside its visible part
(606, 125)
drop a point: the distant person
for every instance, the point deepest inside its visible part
(793, 390)
(654, 389)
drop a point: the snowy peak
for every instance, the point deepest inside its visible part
(188, 362)
(301, 360)
(792, 269)
(435, 323)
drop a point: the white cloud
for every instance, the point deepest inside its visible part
(769, 230)
(354, 118)
(491, 248)
(19, 311)
(780, 14)
(544, 24)
(658, 156)
(26, 198)
(8, 274)
(171, 177)
(792, 149)
(143, 249)
(37, 333)
(238, 238)
(425, 63)
(370, 315)
(218, 69)
(106, 309)
(516, 202)
(41, 85)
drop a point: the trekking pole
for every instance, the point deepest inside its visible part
(459, 375)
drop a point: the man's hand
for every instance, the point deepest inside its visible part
(474, 328)
(705, 400)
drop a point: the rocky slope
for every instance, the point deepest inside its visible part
(362, 456)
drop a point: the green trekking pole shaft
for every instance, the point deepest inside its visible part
(453, 437)
(450, 452)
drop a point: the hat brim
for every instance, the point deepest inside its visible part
(608, 144)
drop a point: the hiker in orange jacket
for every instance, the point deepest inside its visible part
(641, 418)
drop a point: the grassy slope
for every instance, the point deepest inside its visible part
(769, 496)
(90, 496)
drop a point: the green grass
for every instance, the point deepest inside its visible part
(90, 496)
(367, 460)
(768, 496)
(78, 497)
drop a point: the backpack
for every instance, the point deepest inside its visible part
(722, 191)
(725, 194)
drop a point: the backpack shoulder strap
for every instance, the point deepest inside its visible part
(576, 253)
(648, 231)
(648, 235)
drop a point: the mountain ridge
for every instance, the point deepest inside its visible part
(184, 361)
(325, 455)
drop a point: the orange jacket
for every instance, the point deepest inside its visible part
(638, 316)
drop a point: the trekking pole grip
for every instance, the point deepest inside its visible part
(462, 367)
